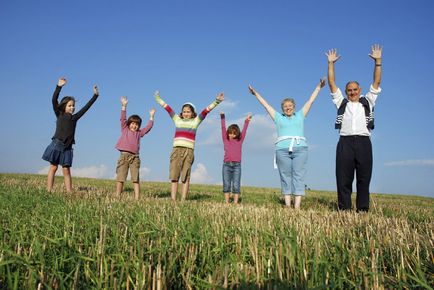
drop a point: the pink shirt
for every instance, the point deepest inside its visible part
(233, 147)
(130, 140)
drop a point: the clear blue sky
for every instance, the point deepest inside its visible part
(190, 51)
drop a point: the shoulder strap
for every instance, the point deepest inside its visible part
(341, 111)
(369, 115)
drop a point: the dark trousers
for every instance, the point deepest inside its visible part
(353, 154)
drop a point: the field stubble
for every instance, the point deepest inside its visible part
(91, 240)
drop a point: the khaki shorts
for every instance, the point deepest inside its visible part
(127, 161)
(181, 160)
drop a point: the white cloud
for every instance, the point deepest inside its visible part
(261, 133)
(144, 171)
(411, 162)
(200, 175)
(99, 171)
(226, 106)
(211, 128)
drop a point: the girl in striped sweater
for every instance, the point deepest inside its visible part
(182, 156)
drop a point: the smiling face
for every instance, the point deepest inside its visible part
(70, 107)
(288, 107)
(353, 91)
(187, 112)
(134, 122)
(134, 126)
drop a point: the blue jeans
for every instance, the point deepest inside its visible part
(231, 177)
(292, 169)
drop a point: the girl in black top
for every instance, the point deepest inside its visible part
(59, 152)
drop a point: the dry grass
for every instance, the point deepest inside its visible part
(91, 240)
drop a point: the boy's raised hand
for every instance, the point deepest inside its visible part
(152, 113)
(61, 82)
(95, 90)
(124, 101)
(220, 97)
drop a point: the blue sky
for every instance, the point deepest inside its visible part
(190, 51)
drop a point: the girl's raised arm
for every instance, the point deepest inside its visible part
(86, 107)
(54, 100)
(223, 125)
(219, 98)
(162, 103)
(246, 125)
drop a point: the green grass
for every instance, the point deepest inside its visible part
(90, 240)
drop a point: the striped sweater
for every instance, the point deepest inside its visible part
(185, 133)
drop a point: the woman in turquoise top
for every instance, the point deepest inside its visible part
(291, 145)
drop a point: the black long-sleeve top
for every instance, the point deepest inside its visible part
(66, 123)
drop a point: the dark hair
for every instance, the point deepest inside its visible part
(193, 113)
(135, 119)
(61, 107)
(235, 130)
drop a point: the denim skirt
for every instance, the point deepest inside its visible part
(57, 154)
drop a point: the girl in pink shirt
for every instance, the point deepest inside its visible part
(233, 140)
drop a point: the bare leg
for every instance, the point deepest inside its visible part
(297, 201)
(136, 190)
(174, 189)
(67, 178)
(287, 200)
(119, 188)
(50, 176)
(236, 198)
(227, 195)
(185, 187)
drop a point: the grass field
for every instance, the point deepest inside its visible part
(90, 240)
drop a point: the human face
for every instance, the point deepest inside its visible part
(70, 107)
(353, 92)
(232, 135)
(133, 126)
(288, 108)
(187, 113)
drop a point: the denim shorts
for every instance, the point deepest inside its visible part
(231, 177)
(292, 169)
(57, 154)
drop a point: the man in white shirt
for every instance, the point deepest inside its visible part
(355, 122)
